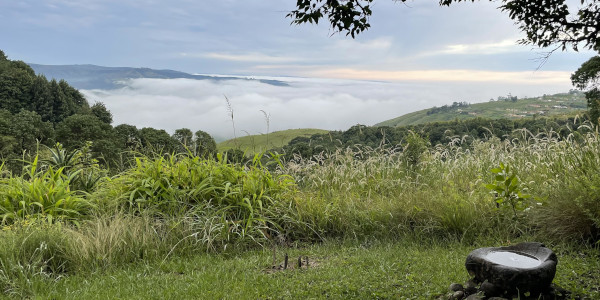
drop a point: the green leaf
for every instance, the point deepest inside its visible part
(490, 186)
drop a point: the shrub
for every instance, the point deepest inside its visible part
(242, 197)
(46, 194)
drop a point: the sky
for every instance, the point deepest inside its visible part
(416, 55)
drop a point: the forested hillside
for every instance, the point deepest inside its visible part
(37, 112)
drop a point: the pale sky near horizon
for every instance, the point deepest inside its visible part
(418, 42)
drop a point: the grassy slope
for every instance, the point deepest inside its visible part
(405, 270)
(258, 143)
(498, 109)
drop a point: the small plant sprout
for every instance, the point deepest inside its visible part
(507, 190)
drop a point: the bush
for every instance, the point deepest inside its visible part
(241, 197)
(45, 194)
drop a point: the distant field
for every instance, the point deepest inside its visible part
(548, 105)
(263, 142)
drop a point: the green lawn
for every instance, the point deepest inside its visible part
(348, 270)
(261, 142)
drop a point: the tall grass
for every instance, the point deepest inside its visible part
(374, 192)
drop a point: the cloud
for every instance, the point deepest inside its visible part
(333, 104)
(524, 77)
(249, 57)
(504, 46)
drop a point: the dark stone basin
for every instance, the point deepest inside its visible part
(525, 267)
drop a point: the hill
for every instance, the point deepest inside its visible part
(262, 142)
(503, 108)
(97, 77)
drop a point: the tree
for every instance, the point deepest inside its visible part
(204, 143)
(28, 129)
(15, 82)
(99, 110)
(184, 137)
(75, 130)
(157, 140)
(41, 99)
(128, 137)
(544, 22)
(8, 143)
(59, 102)
(587, 77)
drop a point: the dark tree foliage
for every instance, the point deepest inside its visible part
(20, 135)
(16, 80)
(184, 138)
(205, 144)
(128, 137)
(101, 112)
(75, 130)
(544, 22)
(445, 108)
(41, 98)
(157, 140)
(587, 77)
(20, 88)
(462, 132)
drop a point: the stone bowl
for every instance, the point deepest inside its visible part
(525, 267)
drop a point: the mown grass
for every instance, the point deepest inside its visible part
(341, 270)
(257, 143)
(406, 219)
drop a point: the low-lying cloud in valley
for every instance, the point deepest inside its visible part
(332, 104)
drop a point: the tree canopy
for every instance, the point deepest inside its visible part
(588, 77)
(544, 22)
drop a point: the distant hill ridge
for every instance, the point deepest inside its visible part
(98, 77)
(504, 108)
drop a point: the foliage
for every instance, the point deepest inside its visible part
(46, 194)
(587, 77)
(158, 140)
(20, 88)
(204, 144)
(244, 198)
(507, 190)
(442, 133)
(79, 164)
(168, 207)
(31, 253)
(414, 149)
(101, 112)
(184, 138)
